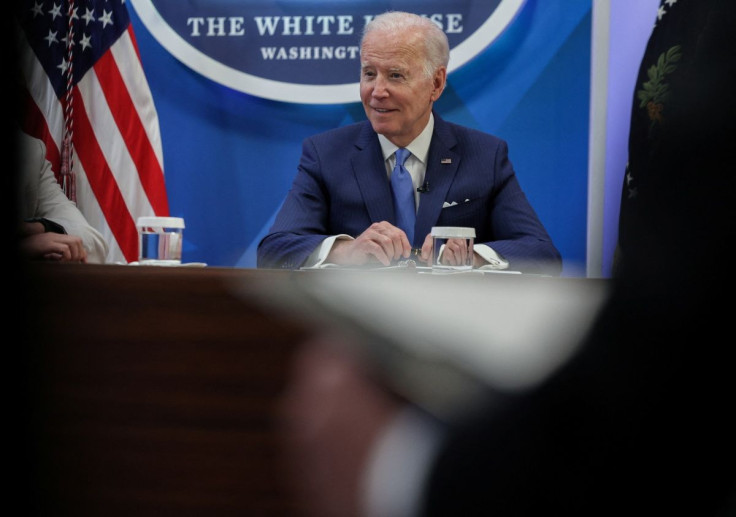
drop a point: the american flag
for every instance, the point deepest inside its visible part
(93, 93)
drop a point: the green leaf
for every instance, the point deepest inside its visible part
(674, 53)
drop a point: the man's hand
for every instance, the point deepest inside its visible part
(53, 247)
(381, 242)
(455, 253)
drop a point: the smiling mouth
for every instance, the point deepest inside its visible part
(383, 110)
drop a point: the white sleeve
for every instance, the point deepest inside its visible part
(51, 203)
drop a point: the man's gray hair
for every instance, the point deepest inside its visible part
(436, 46)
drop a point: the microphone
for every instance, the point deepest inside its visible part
(424, 188)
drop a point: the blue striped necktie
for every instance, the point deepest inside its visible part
(403, 192)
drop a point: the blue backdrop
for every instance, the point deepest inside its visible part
(230, 157)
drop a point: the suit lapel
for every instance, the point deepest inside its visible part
(442, 164)
(370, 173)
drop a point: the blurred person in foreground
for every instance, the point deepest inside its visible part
(638, 420)
(340, 210)
(50, 226)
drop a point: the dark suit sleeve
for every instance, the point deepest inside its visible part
(300, 225)
(518, 234)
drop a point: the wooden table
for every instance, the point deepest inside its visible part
(152, 392)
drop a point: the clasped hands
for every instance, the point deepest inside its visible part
(385, 244)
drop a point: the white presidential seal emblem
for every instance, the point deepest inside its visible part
(304, 51)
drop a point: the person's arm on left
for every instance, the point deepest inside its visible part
(54, 206)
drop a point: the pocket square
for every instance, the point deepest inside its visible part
(446, 204)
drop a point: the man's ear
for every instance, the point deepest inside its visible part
(439, 81)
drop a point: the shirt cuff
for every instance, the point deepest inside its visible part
(317, 259)
(493, 259)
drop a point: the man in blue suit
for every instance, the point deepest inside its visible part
(636, 421)
(340, 208)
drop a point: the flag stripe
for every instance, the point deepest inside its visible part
(132, 131)
(131, 70)
(99, 174)
(43, 118)
(93, 212)
(110, 139)
(34, 122)
(124, 195)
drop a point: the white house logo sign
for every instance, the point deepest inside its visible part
(304, 51)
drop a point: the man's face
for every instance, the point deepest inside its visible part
(396, 94)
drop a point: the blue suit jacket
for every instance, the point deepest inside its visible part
(342, 187)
